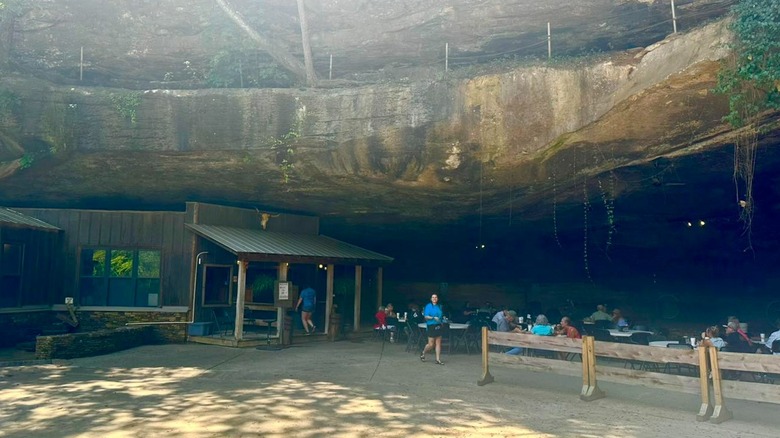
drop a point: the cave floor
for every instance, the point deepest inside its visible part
(345, 388)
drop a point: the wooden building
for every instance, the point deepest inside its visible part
(176, 268)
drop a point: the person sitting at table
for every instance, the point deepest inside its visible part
(499, 317)
(600, 314)
(505, 323)
(618, 321)
(466, 313)
(382, 323)
(567, 329)
(741, 332)
(711, 337)
(541, 328)
(392, 320)
(415, 314)
(774, 336)
(735, 343)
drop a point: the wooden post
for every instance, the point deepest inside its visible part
(81, 65)
(238, 330)
(358, 291)
(328, 296)
(549, 41)
(704, 381)
(446, 57)
(674, 18)
(486, 376)
(281, 274)
(330, 67)
(585, 370)
(589, 354)
(719, 411)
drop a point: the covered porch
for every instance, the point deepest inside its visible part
(252, 277)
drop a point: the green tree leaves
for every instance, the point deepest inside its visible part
(751, 80)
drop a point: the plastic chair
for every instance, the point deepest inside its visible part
(679, 367)
(470, 338)
(415, 336)
(224, 321)
(601, 334)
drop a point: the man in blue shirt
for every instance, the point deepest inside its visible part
(309, 300)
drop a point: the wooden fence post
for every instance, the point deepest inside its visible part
(486, 377)
(719, 412)
(590, 388)
(704, 381)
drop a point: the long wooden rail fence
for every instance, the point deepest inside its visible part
(703, 364)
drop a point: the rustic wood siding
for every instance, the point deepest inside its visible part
(163, 231)
(210, 214)
(41, 250)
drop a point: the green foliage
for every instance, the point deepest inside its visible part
(752, 81)
(99, 263)
(126, 104)
(121, 263)
(148, 264)
(13, 7)
(284, 145)
(238, 68)
(26, 161)
(262, 283)
(9, 106)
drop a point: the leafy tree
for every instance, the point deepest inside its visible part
(751, 80)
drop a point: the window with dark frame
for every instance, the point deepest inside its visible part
(119, 277)
(11, 263)
(217, 282)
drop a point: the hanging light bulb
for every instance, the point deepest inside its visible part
(701, 223)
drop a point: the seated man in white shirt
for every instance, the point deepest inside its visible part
(773, 337)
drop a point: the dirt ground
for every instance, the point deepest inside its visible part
(334, 389)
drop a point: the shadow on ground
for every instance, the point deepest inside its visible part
(341, 389)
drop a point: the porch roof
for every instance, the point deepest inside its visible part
(260, 245)
(15, 219)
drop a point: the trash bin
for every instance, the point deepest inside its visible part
(334, 331)
(287, 330)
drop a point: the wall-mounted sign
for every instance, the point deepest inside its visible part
(284, 291)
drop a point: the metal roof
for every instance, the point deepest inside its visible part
(254, 244)
(14, 218)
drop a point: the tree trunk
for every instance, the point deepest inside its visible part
(7, 24)
(283, 58)
(311, 76)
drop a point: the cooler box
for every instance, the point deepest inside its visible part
(199, 329)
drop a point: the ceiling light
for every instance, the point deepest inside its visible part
(690, 224)
(701, 223)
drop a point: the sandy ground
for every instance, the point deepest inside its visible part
(334, 389)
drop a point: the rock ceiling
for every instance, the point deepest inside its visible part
(626, 141)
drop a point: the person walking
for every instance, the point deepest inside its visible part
(433, 319)
(309, 300)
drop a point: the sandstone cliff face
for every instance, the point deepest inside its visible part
(419, 142)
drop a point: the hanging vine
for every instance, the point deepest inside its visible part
(585, 208)
(555, 209)
(608, 199)
(751, 80)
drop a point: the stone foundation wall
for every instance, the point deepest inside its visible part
(23, 326)
(168, 327)
(87, 344)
